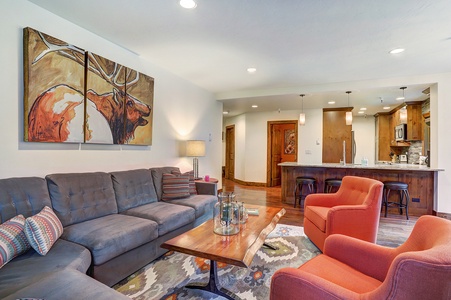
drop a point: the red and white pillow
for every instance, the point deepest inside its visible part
(13, 241)
(43, 230)
(175, 187)
(192, 184)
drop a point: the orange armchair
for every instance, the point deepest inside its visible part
(351, 268)
(354, 210)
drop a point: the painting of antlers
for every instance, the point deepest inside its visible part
(76, 96)
(119, 99)
(54, 89)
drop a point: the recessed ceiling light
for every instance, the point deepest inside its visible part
(189, 4)
(331, 102)
(397, 50)
(251, 70)
(386, 107)
(400, 98)
(363, 108)
(226, 112)
(361, 112)
(254, 106)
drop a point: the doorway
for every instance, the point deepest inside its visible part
(282, 146)
(230, 152)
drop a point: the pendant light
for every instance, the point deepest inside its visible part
(302, 115)
(348, 113)
(403, 111)
(403, 97)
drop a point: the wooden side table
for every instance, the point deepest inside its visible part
(212, 180)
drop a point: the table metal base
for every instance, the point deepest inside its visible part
(213, 284)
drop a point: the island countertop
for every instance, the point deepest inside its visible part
(422, 180)
(381, 166)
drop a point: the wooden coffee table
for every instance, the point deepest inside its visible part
(238, 250)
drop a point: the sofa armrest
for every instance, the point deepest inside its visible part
(206, 188)
(291, 284)
(368, 258)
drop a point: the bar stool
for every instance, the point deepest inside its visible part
(330, 183)
(402, 188)
(309, 182)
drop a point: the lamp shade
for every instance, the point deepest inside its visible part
(349, 118)
(302, 119)
(195, 148)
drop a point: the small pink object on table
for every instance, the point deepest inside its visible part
(207, 178)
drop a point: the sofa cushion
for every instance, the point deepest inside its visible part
(200, 203)
(168, 216)
(109, 236)
(175, 187)
(42, 230)
(317, 215)
(133, 188)
(78, 197)
(31, 266)
(13, 240)
(67, 284)
(22, 196)
(157, 176)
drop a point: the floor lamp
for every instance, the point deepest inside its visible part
(195, 148)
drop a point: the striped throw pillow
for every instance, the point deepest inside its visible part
(175, 187)
(13, 241)
(192, 184)
(43, 230)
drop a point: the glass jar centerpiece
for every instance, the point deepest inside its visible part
(226, 215)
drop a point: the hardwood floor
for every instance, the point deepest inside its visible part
(393, 230)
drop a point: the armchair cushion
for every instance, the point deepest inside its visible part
(341, 274)
(317, 215)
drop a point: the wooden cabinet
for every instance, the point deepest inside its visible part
(414, 122)
(385, 129)
(335, 131)
(384, 136)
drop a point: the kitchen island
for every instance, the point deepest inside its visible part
(422, 180)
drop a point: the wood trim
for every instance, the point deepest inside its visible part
(249, 183)
(442, 215)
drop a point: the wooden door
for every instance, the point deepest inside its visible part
(230, 153)
(282, 147)
(335, 131)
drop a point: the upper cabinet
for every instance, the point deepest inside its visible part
(414, 122)
(411, 115)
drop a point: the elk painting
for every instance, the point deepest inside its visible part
(77, 96)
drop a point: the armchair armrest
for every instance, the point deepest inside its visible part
(325, 200)
(368, 258)
(294, 284)
(206, 188)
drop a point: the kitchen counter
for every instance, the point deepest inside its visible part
(383, 166)
(422, 180)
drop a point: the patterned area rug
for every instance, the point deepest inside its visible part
(166, 277)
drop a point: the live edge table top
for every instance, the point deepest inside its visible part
(238, 249)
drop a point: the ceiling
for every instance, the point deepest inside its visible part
(311, 47)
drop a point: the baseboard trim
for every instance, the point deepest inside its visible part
(442, 215)
(248, 183)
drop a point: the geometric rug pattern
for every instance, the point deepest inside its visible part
(166, 277)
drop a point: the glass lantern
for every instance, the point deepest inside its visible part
(226, 215)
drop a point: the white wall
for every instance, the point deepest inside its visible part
(181, 110)
(251, 141)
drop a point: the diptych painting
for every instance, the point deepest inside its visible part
(71, 95)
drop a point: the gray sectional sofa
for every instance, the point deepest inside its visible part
(114, 224)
